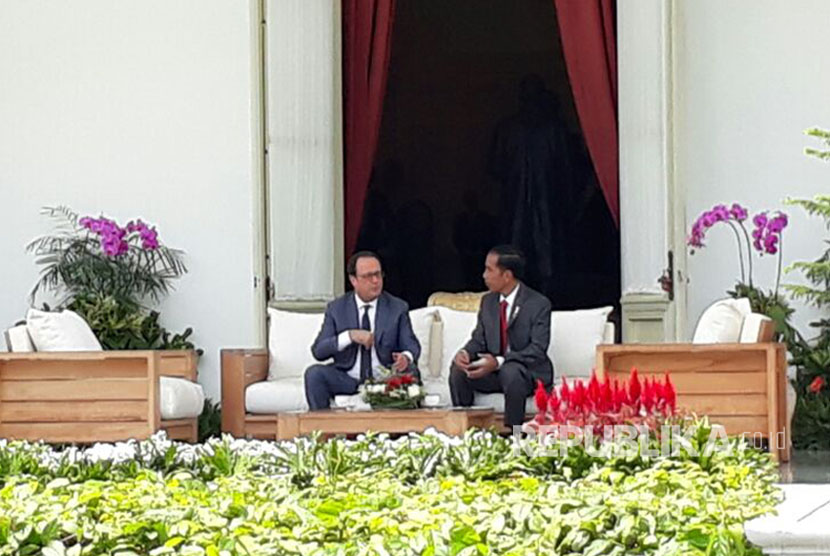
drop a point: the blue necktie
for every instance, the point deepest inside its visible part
(365, 353)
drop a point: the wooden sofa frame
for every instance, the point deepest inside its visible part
(740, 386)
(240, 369)
(84, 397)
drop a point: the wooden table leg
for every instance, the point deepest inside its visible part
(288, 426)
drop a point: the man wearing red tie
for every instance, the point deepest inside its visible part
(508, 348)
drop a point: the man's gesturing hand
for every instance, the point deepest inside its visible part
(362, 337)
(400, 362)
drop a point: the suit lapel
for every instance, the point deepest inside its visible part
(381, 317)
(517, 304)
(493, 333)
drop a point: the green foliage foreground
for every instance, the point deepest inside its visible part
(421, 494)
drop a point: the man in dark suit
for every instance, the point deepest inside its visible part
(361, 330)
(508, 349)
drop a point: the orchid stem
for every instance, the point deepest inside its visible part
(748, 252)
(740, 251)
(780, 258)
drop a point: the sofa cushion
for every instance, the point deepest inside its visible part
(458, 327)
(290, 336)
(180, 398)
(273, 396)
(574, 338)
(60, 331)
(496, 401)
(422, 320)
(721, 322)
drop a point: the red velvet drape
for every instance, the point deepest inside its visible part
(367, 43)
(588, 38)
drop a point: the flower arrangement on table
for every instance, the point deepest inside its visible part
(392, 390)
(599, 403)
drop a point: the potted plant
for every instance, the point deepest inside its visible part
(107, 273)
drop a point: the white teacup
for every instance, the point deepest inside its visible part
(431, 400)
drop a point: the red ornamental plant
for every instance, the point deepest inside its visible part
(601, 403)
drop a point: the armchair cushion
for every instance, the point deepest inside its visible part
(60, 331)
(180, 398)
(753, 329)
(721, 322)
(18, 339)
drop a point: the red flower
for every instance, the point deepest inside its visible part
(634, 388)
(553, 402)
(541, 396)
(578, 396)
(607, 395)
(565, 391)
(647, 397)
(593, 392)
(669, 394)
(817, 384)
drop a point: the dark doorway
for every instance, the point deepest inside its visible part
(460, 77)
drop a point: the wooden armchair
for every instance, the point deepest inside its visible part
(740, 386)
(101, 396)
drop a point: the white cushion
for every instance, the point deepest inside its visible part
(496, 401)
(180, 398)
(273, 396)
(18, 340)
(721, 322)
(751, 328)
(458, 328)
(290, 336)
(63, 331)
(574, 338)
(422, 320)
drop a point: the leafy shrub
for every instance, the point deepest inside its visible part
(418, 494)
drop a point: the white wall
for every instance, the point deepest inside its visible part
(135, 109)
(750, 76)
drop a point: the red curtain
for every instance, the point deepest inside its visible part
(588, 38)
(367, 34)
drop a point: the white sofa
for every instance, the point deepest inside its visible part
(441, 331)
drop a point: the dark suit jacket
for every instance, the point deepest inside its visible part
(528, 331)
(393, 331)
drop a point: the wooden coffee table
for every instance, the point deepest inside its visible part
(341, 421)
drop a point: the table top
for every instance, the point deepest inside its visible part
(339, 413)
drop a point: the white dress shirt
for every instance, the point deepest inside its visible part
(511, 301)
(344, 340)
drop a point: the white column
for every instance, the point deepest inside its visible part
(646, 196)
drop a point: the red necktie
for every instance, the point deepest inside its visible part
(503, 327)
